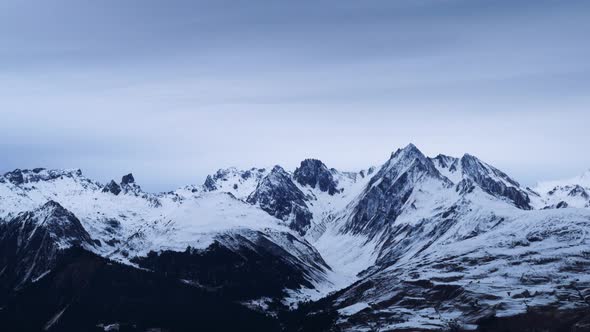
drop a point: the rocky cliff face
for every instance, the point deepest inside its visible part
(112, 187)
(314, 173)
(494, 181)
(389, 192)
(280, 197)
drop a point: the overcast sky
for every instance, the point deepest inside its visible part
(173, 90)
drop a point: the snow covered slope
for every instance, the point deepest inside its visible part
(478, 258)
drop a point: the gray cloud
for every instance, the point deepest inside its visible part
(175, 90)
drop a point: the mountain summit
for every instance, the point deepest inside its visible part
(313, 172)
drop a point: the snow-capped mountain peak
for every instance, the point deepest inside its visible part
(128, 179)
(240, 183)
(129, 186)
(477, 169)
(390, 191)
(405, 161)
(313, 172)
(112, 187)
(18, 176)
(493, 181)
(572, 192)
(279, 196)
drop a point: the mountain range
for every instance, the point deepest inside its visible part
(416, 244)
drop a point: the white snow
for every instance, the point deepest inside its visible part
(198, 220)
(353, 309)
(240, 183)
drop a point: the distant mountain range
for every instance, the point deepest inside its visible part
(418, 243)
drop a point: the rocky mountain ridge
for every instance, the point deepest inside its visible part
(417, 243)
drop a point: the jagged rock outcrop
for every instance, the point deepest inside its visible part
(112, 187)
(279, 196)
(127, 179)
(313, 172)
(368, 172)
(560, 205)
(15, 177)
(209, 184)
(578, 191)
(445, 161)
(494, 181)
(128, 185)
